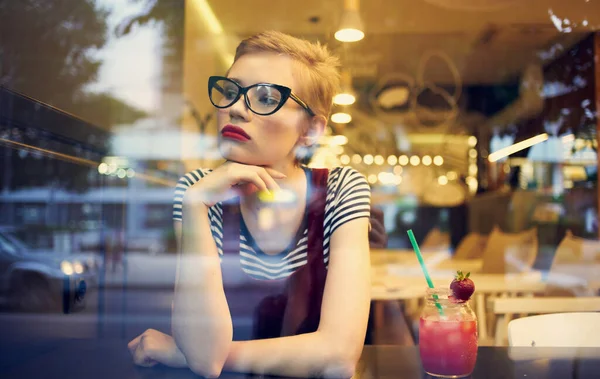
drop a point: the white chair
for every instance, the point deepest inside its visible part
(534, 328)
(576, 329)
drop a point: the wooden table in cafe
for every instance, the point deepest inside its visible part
(109, 358)
(397, 276)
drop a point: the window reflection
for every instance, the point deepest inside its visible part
(103, 107)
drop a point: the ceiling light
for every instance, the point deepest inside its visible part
(502, 153)
(344, 99)
(472, 170)
(338, 140)
(348, 33)
(351, 26)
(346, 96)
(341, 118)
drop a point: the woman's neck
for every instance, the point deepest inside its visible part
(288, 168)
(274, 224)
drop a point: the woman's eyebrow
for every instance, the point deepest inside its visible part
(241, 82)
(238, 81)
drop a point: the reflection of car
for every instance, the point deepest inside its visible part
(43, 281)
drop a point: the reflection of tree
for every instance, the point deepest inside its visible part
(163, 11)
(170, 15)
(46, 52)
(105, 110)
(46, 47)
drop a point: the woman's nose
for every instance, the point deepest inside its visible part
(240, 110)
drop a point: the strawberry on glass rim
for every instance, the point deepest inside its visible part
(462, 287)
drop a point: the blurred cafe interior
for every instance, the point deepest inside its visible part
(474, 121)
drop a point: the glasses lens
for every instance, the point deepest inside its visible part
(264, 99)
(223, 93)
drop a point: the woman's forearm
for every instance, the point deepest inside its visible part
(201, 321)
(304, 355)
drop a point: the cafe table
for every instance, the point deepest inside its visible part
(109, 358)
(402, 262)
(410, 288)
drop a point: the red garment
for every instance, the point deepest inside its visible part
(288, 306)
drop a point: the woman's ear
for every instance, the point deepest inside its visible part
(314, 131)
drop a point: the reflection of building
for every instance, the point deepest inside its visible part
(42, 145)
(112, 207)
(57, 174)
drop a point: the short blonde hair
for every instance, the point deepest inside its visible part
(320, 77)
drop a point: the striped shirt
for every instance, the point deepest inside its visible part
(348, 198)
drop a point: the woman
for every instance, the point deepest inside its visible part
(311, 318)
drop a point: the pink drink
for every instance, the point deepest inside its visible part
(448, 347)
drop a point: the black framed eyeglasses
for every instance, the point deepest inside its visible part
(262, 98)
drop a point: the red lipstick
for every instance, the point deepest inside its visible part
(235, 133)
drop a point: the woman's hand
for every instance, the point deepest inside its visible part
(153, 347)
(233, 179)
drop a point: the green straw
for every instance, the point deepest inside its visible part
(415, 246)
